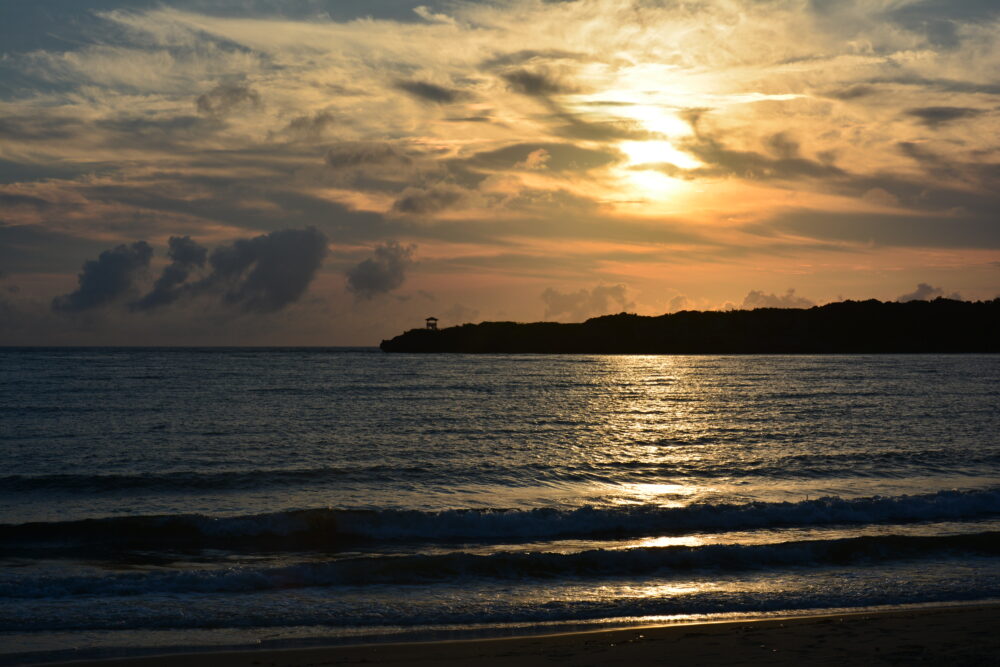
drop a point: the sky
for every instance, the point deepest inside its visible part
(332, 172)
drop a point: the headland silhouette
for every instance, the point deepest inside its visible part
(845, 327)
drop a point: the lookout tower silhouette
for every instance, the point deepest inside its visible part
(432, 323)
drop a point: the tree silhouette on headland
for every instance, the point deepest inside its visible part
(942, 325)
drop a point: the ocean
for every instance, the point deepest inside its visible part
(157, 500)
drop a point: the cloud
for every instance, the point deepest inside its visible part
(853, 92)
(534, 84)
(349, 155)
(527, 55)
(560, 157)
(421, 201)
(260, 274)
(186, 255)
(111, 276)
(945, 230)
(425, 13)
(13, 199)
(934, 117)
(678, 303)
(268, 272)
(578, 306)
(758, 299)
(925, 292)
(309, 126)
(225, 98)
(722, 160)
(458, 314)
(381, 273)
(430, 92)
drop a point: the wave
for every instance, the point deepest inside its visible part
(595, 563)
(809, 466)
(331, 528)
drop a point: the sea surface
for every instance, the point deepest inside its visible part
(172, 499)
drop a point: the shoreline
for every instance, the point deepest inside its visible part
(954, 635)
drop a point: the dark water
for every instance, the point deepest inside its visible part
(164, 498)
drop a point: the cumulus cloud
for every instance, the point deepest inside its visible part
(260, 274)
(225, 98)
(268, 272)
(104, 280)
(383, 272)
(578, 306)
(678, 303)
(186, 255)
(758, 299)
(925, 292)
(459, 314)
(100, 139)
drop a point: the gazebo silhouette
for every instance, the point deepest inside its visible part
(432, 323)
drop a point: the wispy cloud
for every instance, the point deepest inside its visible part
(725, 139)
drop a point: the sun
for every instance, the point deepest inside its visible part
(649, 173)
(656, 152)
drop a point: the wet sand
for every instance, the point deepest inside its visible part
(947, 636)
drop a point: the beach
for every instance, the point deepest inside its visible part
(945, 635)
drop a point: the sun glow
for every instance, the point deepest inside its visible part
(657, 152)
(652, 185)
(655, 120)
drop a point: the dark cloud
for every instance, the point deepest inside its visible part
(104, 280)
(39, 128)
(21, 172)
(35, 249)
(941, 22)
(936, 84)
(310, 126)
(534, 84)
(14, 199)
(260, 274)
(758, 299)
(430, 92)
(934, 117)
(561, 157)
(156, 131)
(925, 292)
(852, 92)
(186, 255)
(420, 201)
(360, 153)
(470, 119)
(603, 130)
(268, 272)
(226, 97)
(381, 273)
(578, 306)
(723, 161)
(900, 230)
(948, 185)
(782, 145)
